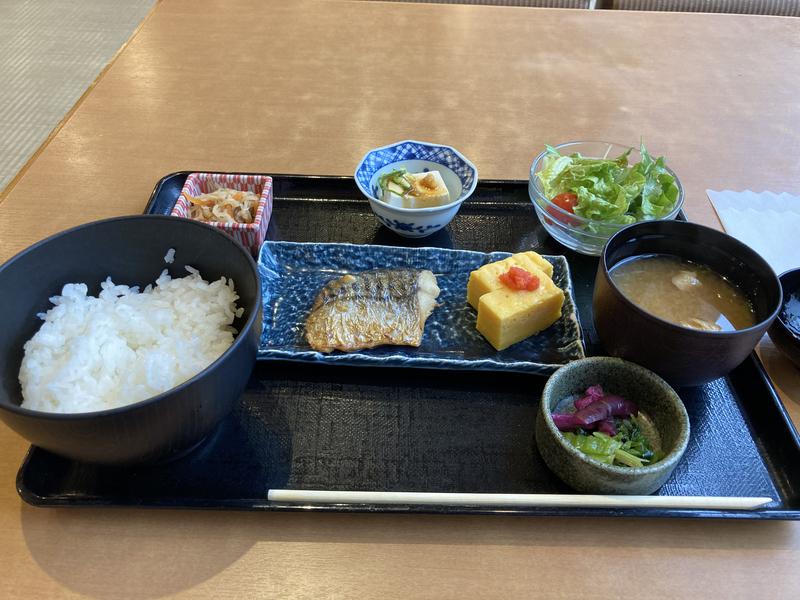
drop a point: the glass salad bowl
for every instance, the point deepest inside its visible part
(595, 200)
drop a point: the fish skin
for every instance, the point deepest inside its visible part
(372, 308)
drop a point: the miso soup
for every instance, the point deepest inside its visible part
(683, 292)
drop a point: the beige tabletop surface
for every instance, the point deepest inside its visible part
(308, 87)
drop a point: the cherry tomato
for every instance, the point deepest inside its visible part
(519, 279)
(567, 202)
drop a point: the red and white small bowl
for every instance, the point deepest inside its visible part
(250, 235)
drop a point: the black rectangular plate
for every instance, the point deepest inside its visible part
(308, 426)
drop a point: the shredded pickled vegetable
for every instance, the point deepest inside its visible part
(224, 206)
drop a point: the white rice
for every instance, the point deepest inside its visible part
(169, 257)
(95, 353)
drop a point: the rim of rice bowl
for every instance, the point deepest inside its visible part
(119, 409)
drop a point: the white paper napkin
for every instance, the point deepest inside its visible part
(767, 222)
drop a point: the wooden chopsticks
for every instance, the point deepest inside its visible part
(519, 500)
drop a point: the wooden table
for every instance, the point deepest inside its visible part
(307, 87)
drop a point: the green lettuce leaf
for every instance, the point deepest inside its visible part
(659, 192)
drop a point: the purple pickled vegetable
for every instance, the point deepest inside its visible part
(607, 426)
(595, 390)
(582, 403)
(605, 408)
(620, 407)
(565, 422)
(593, 394)
(596, 411)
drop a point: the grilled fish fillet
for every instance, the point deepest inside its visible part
(372, 308)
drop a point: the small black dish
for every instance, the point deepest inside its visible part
(132, 251)
(785, 330)
(681, 355)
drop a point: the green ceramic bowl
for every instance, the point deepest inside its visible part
(658, 404)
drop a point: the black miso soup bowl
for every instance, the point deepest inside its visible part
(681, 355)
(785, 330)
(131, 250)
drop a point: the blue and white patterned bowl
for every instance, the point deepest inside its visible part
(459, 175)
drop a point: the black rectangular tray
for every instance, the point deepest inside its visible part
(328, 427)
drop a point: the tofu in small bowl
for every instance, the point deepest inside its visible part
(415, 188)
